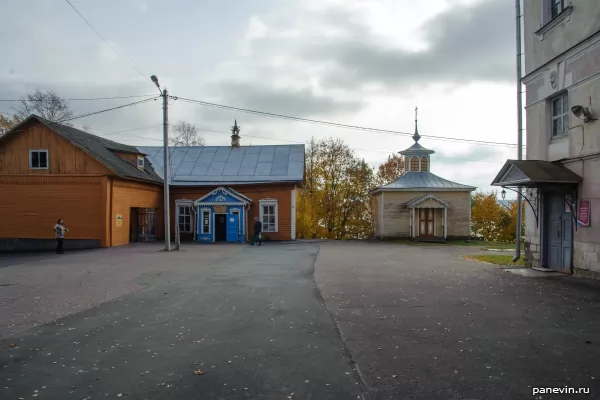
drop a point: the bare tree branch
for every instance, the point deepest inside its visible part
(186, 134)
(48, 105)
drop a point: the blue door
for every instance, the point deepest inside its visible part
(233, 227)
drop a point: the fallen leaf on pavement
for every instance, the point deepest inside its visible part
(198, 372)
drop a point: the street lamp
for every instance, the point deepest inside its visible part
(166, 175)
(503, 193)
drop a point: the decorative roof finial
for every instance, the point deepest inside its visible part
(235, 129)
(416, 136)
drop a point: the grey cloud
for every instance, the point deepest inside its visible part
(297, 102)
(465, 44)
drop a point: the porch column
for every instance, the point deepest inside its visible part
(434, 222)
(445, 220)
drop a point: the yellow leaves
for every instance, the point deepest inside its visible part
(491, 220)
(335, 202)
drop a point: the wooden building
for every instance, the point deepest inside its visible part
(421, 205)
(110, 194)
(217, 191)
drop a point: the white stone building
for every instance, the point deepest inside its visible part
(561, 175)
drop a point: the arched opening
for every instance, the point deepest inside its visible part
(424, 164)
(414, 164)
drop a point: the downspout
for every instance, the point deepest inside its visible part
(520, 127)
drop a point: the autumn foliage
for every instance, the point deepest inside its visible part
(335, 202)
(492, 221)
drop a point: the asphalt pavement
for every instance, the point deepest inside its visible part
(421, 322)
(248, 324)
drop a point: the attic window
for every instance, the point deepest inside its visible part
(140, 162)
(38, 159)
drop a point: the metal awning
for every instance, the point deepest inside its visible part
(534, 174)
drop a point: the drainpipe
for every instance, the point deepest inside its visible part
(520, 127)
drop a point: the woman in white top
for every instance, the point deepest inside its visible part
(60, 230)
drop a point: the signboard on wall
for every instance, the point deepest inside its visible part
(220, 209)
(583, 214)
(119, 222)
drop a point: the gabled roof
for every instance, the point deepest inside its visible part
(222, 191)
(534, 173)
(421, 199)
(226, 165)
(99, 148)
(418, 181)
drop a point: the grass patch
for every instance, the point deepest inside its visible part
(496, 259)
(469, 243)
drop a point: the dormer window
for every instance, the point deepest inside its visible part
(140, 162)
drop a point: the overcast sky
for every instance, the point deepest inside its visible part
(355, 62)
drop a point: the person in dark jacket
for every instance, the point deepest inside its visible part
(257, 232)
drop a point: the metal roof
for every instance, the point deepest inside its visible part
(99, 148)
(533, 173)
(415, 181)
(416, 149)
(226, 165)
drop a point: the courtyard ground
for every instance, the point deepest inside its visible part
(314, 321)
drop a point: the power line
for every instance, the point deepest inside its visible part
(85, 99)
(287, 141)
(108, 109)
(106, 41)
(338, 125)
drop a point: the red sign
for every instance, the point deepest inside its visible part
(583, 214)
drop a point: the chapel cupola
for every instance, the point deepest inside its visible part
(417, 157)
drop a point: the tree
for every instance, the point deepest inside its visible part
(186, 134)
(488, 218)
(47, 105)
(390, 170)
(335, 202)
(7, 123)
(492, 221)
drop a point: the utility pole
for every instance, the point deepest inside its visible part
(167, 213)
(519, 126)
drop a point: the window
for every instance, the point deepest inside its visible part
(140, 162)
(556, 7)
(184, 218)
(205, 221)
(560, 115)
(414, 163)
(424, 166)
(268, 215)
(38, 159)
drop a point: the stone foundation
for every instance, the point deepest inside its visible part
(586, 256)
(532, 251)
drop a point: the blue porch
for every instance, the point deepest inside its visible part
(222, 216)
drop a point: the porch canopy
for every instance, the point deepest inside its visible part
(534, 174)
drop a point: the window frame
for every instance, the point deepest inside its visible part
(202, 225)
(189, 215)
(563, 116)
(275, 204)
(39, 151)
(140, 165)
(558, 5)
(426, 159)
(418, 163)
